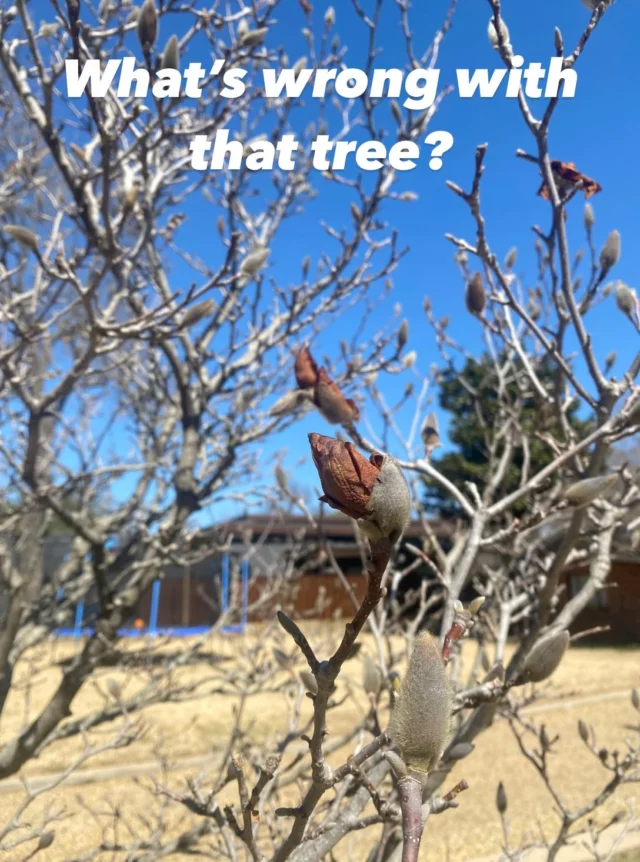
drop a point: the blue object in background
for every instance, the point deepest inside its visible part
(155, 602)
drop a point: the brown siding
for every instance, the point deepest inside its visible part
(621, 609)
(303, 597)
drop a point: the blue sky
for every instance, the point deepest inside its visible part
(599, 130)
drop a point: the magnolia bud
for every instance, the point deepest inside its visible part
(330, 401)
(403, 334)
(410, 359)
(305, 369)
(462, 749)
(289, 402)
(609, 361)
(583, 730)
(254, 262)
(281, 479)
(501, 799)
(147, 25)
(585, 491)
(475, 296)
(390, 503)
(544, 658)
(330, 17)
(27, 238)
(171, 54)
(589, 216)
(252, 38)
(46, 840)
(408, 196)
(492, 33)
(371, 677)
(198, 312)
(635, 699)
(114, 689)
(421, 718)
(511, 258)
(430, 432)
(626, 299)
(610, 254)
(558, 41)
(299, 65)
(476, 604)
(309, 681)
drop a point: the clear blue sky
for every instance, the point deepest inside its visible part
(599, 130)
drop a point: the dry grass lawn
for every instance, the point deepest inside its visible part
(200, 727)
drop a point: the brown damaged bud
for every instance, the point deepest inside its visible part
(305, 369)
(147, 25)
(27, 238)
(585, 491)
(171, 54)
(610, 254)
(544, 658)
(421, 719)
(501, 799)
(373, 492)
(309, 681)
(330, 401)
(475, 296)
(371, 677)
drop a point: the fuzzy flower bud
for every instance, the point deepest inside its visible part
(492, 33)
(475, 296)
(626, 299)
(373, 492)
(511, 258)
(583, 730)
(253, 38)
(430, 432)
(501, 799)
(421, 718)
(253, 263)
(544, 658)
(589, 216)
(587, 490)
(147, 25)
(309, 681)
(610, 254)
(289, 402)
(171, 54)
(403, 334)
(371, 677)
(330, 17)
(27, 238)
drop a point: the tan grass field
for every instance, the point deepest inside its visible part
(200, 728)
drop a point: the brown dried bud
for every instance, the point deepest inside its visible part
(626, 299)
(309, 681)
(171, 54)
(330, 401)
(371, 677)
(475, 296)
(421, 718)
(610, 254)
(147, 25)
(430, 433)
(27, 238)
(583, 730)
(585, 491)
(544, 658)
(374, 492)
(305, 369)
(501, 799)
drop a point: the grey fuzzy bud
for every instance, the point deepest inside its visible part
(171, 54)
(626, 299)
(558, 41)
(492, 33)
(511, 258)
(475, 296)
(281, 479)
(583, 730)
(545, 657)
(461, 750)
(330, 17)
(610, 254)
(252, 38)
(430, 432)
(46, 840)
(371, 677)
(585, 491)
(403, 334)
(589, 216)
(290, 401)
(476, 604)
(27, 238)
(147, 25)
(254, 262)
(389, 507)
(421, 718)
(501, 799)
(114, 689)
(198, 312)
(309, 681)
(635, 699)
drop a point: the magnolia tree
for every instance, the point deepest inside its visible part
(133, 397)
